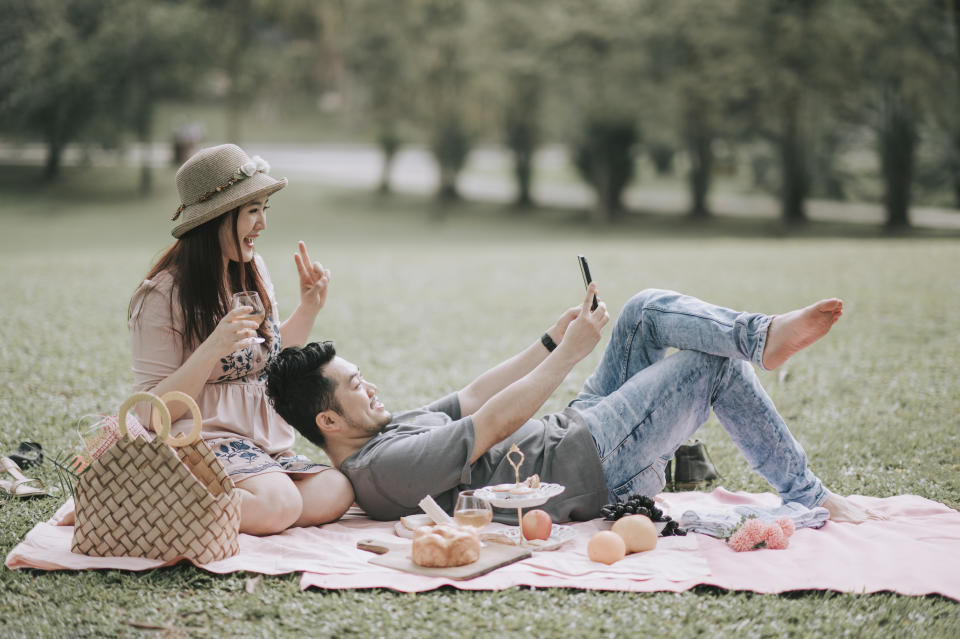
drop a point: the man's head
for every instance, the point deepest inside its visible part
(322, 395)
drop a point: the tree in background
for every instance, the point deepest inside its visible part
(514, 44)
(801, 64)
(697, 65)
(522, 129)
(596, 66)
(448, 106)
(155, 45)
(900, 72)
(239, 31)
(951, 111)
(946, 100)
(56, 73)
(380, 59)
(77, 69)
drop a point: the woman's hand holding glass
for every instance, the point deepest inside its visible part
(235, 331)
(251, 300)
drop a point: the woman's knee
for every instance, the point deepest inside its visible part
(326, 497)
(271, 504)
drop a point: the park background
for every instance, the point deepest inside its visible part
(447, 161)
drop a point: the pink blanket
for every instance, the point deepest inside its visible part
(915, 552)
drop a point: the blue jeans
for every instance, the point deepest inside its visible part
(641, 405)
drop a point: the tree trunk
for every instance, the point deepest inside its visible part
(956, 170)
(522, 131)
(523, 172)
(898, 140)
(701, 167)
(384, 187)
(56, 141)
(448, 185)
(954, 6)
(607, 203)
(794, 178)
(144, 134)
(389, 143)
(51, 169)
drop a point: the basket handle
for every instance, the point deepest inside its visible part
(194, 434)
(164, 426)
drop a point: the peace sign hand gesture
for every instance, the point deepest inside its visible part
(314, 279)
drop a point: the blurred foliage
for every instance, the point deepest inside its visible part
(789, 90)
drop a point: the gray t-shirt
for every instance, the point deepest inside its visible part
(428, 450)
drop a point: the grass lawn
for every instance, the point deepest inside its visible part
(424, 300)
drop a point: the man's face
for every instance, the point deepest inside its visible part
(359, 406)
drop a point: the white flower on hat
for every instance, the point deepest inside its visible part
(262, 165)
(248, 168)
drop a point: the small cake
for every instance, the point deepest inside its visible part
(445, 546)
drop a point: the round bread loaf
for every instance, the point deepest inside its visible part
(444, 546)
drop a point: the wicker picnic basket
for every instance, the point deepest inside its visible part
(163, 499)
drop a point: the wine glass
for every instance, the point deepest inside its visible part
(472, 511)
(258, 314)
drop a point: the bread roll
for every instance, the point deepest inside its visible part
(445, 546)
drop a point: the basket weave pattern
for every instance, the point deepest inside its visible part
(147, 499)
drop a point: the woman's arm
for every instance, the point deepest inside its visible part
(157, 348)
(314, 280)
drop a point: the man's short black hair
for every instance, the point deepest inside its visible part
(298, 389)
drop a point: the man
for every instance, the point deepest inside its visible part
(615, 437)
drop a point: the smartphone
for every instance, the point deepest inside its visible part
(585, 271)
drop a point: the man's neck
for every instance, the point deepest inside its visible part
(339, 450)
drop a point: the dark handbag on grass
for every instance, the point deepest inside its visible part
(691, 468)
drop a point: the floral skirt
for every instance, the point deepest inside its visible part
(241, 458)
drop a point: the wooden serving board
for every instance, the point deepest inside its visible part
(396, 554)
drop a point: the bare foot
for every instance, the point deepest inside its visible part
(793, 331)
(843, 510)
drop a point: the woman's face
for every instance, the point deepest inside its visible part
(251, 220)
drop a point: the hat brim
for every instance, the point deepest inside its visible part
(257, 186)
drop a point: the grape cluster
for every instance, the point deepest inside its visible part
(642, 505)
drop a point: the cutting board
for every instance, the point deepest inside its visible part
(396, 554)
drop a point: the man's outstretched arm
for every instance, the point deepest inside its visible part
(509, 409)
(480, 390)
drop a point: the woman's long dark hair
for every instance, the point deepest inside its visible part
(196, 263)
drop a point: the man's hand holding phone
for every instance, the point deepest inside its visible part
(584, 333)
(585, 271)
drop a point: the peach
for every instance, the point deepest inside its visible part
(536, 524)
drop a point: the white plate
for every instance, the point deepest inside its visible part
(507, 500)
(559, 535)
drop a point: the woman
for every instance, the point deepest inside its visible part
(186, 337)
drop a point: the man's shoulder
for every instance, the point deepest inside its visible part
(404, 424)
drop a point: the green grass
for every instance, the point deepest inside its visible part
(424, 299)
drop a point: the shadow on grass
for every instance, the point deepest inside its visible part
(635, 223)
(90, 185)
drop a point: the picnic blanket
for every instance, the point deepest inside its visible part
(915, 552)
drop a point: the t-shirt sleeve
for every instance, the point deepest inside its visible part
(156, 343)
(449, 405)
(399, 473)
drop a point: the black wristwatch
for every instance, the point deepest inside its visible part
(548, 342)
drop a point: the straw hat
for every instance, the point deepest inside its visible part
(219, 179)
